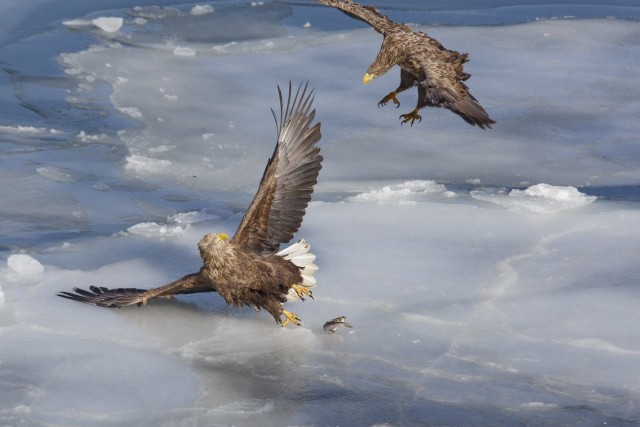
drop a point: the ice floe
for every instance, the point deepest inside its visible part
(406, 192)
(539, 198)
(24, 265)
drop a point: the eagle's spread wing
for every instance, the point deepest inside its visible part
(120, 297)
(368, 14)
(444, 85)
(276, 212)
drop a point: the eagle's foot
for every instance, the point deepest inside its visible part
(390, 97)
(290, 317)
(302, 291)
(413, 116)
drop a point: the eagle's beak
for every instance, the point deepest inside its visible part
(368, 77)
(223, 236)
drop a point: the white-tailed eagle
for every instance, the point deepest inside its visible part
(423, 62)
(249, 269)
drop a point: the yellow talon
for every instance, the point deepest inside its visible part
(390, 97)
(290, 317)
(302, 291)
(413, 116)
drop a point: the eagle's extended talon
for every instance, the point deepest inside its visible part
(413, 116)
(302, 291)
(290, 317)
(390, 97)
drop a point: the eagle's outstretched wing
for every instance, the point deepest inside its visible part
(444, 85)
(368, 14)
(120, 297)
(276, 212)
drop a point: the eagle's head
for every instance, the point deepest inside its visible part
(210, 241)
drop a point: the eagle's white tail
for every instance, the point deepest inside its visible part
(299, 254)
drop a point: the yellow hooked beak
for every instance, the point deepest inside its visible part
(368, 77)
(223, 236)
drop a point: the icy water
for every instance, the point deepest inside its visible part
(491, 276)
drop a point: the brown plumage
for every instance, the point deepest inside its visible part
(248, 269)
(424, 62)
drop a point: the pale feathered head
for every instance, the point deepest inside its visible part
(210, 241)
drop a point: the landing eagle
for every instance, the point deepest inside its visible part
(423, 61)
(249, 269)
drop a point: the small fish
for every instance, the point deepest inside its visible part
(332, 325)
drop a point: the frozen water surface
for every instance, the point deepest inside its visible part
(491, 276)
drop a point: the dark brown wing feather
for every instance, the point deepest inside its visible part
(368, 14)
(276, 212)
(445, 77)
(471, 111)
(120, 297)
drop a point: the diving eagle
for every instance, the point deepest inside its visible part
(249, 269)
(423, 61)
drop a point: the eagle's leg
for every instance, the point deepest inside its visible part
(407, 80)
(390, 97)
(290, 317)
(413, 116)
(302, 291)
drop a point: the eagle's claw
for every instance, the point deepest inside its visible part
(302, 291)
(290, 317)
(413, 116)
(390, 97)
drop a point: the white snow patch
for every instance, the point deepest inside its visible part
(27, 130)
(405, 192)
(105, 23)
(192, 217)
(162, 148)
(146, 165)
(131, 112)
(87, 137)
(153, 229)
(202, 9)
(108, 24)
(539, 198)
(307, 25)
(184, 51)
(77, 24)
(24, 265)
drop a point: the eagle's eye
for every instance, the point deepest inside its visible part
(223, 236)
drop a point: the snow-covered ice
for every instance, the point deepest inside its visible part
(539, 198)
(491, 277)
(108, 24)
(201, 9)
(398, 193)
(105, 23)
(24, 265)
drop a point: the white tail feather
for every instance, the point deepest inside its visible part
(308, 281)
(303, 260)
(309, 270)
(299, 254)
(301, 246)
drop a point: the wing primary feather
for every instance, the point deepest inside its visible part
(276, 212)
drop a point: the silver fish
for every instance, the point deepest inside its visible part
(332, 325)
